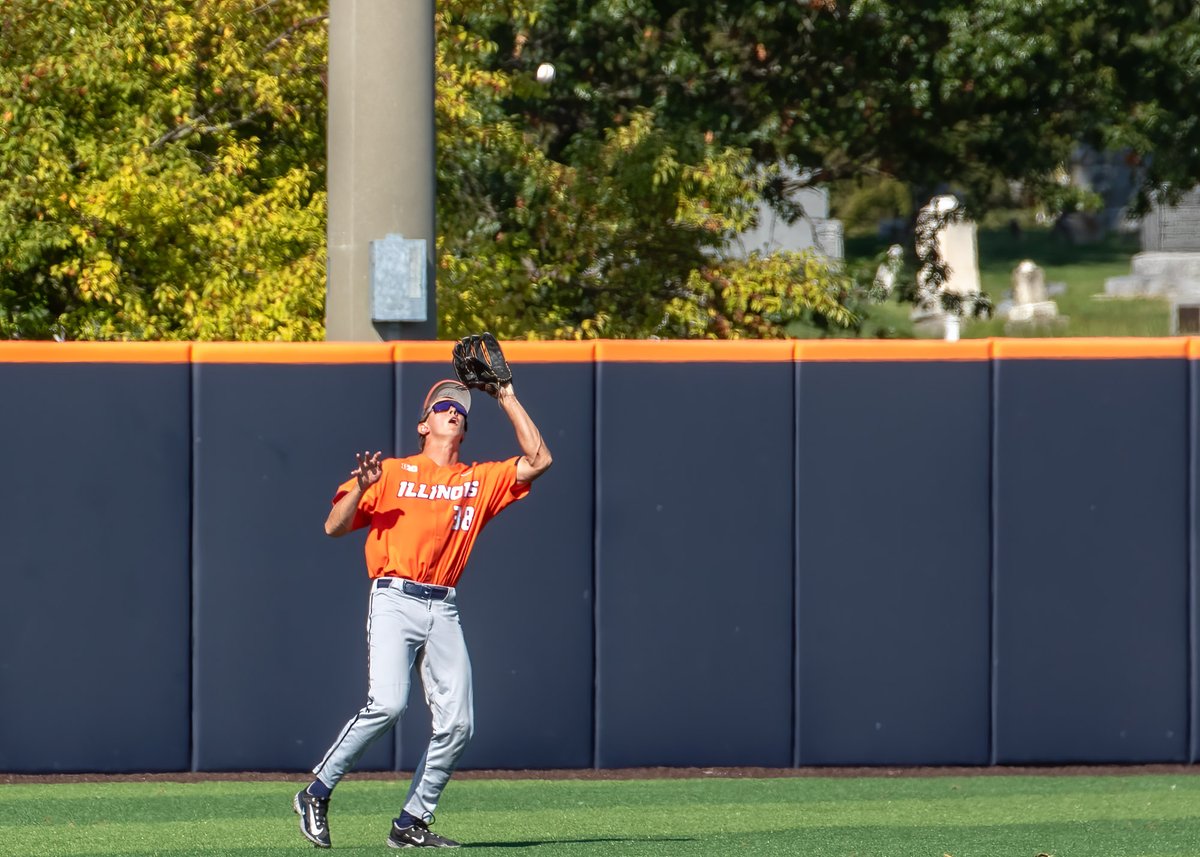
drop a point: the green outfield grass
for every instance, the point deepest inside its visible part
(980, 816)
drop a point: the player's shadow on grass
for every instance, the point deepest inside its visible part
(532, 843)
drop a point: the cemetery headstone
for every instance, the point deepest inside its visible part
(1168, 265)
(1030, 304)
(956, 244)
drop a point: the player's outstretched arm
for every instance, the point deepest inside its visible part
(535, 459)
(366, 474)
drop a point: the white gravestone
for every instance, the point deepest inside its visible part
(957, 246)
(889, 268)
(813, 230)
(1029, 283)
(1030, 302)
(1169, 264)
(1173, 229)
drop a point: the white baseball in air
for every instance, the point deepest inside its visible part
(545, 72)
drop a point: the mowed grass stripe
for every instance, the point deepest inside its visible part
(518, 794)
(493, 793)
(889, 817)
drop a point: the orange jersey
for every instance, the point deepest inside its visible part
(424, 519)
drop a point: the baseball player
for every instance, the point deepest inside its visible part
(423, 514)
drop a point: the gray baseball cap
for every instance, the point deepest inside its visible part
(446, 389)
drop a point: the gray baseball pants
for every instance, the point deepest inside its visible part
(406, 630)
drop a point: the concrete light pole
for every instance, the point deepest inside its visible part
(381, 185)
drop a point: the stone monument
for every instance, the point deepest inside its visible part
(1168, 265)
(1173, 229)
(889, 269)
(940, 224)
(813, 230)
(959, 247)
(1030, 303)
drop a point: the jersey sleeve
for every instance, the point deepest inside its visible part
(503, 488)
(366, 503)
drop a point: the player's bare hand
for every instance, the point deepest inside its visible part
(369, 469)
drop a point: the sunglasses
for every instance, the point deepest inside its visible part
(446, 405)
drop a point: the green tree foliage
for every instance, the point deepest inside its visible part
(162, 169)
(163, 178)
(162, 164)
(861, 203)
(966, 92)
(617, 233)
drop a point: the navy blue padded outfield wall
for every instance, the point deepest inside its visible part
(826, 553)
(892, 526)
(1094, 524)
(95, 574)
(694, 554)
(274, 431)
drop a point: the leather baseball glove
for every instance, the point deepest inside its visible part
(479, 362)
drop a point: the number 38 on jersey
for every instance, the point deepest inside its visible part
(463, 516)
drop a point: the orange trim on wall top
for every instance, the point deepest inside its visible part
(890, 350)
(692, 350)
(610, 350)
(1092, 348)
(525, 351)
(517, 350)
(439, 351)
(292, 352)
(94, 352)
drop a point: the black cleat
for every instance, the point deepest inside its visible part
(417, 836)
(314, 821)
